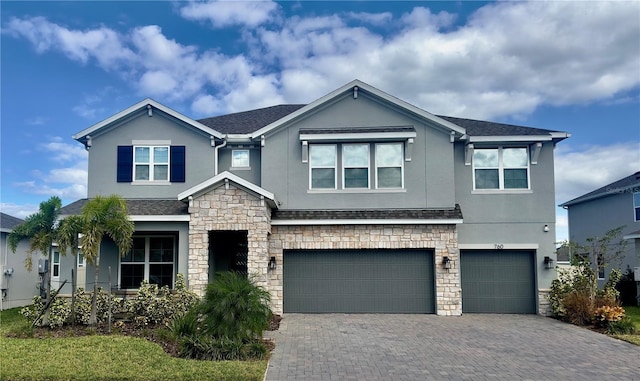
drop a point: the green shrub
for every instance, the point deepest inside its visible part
(234, 307)
(59, 311)
(186, 325)
(623, 326)
(209, 348)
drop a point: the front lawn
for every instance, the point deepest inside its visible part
(634, 314)
(105, 357)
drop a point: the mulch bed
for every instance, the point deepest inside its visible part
(153, 333)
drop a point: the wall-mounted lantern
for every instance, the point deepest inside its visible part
(548, 263)
(545, 228)
(272, 263)
(446, 263)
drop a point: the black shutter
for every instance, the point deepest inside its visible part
(125, 164)
(178, 164)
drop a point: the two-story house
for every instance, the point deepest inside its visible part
(356, 202)
(613, 205)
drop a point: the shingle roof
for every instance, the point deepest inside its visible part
(138, 207)
(615, 187)
(8, 222)
(248, 121)
(388, 214)
(253, 120)
(483, 128)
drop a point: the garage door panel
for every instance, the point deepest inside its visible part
(359, 281)
(497, 281)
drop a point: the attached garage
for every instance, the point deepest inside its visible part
(498, 281)
(358, 281)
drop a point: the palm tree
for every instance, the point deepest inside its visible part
(40, 229)
(104, 216)
(67, 237)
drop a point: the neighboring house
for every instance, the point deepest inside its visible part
(614, 205)
(356, 202)
(18, 286)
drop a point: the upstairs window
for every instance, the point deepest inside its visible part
(151, 163)
(636, 205)
(355, 161)
(389, 165)
(501, 168)
(322, 164)
(240, 158)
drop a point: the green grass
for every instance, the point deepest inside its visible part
(634, 314)
(105, 357)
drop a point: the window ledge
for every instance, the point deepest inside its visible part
(151, 183)
(501, 191)
(321, 191)
(240, 168)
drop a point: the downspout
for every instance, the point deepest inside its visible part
(215, 156)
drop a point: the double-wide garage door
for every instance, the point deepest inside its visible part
(498, 281)
(358, 281)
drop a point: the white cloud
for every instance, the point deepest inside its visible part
(584, 169)
(59, 151)
(223, 14)
(377, 19)
(18, 210)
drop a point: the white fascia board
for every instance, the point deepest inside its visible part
(358, 136)
(220, 179)
(361, 85)
(632, 236)
(509, 138)
(148, 101)
(560, 135)
(504, 246)
(382, 221)
(238, 138)
(159, 218)
(4, 230)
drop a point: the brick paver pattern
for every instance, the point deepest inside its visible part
(428, 347)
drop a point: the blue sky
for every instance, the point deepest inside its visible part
(571, 66)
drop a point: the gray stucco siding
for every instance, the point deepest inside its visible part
(19, 288)
(428, 177)
(159, 128)
(251, 174)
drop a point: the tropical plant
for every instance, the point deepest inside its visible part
(104, 216)
(67, 237)
(234, 307)
(40, 229)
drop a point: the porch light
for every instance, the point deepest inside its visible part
(446, 263)
(548, 263)
(272, 263)
(545, 228)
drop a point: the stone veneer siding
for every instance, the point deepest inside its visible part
(227, 208)
(544, 305)
(441, 238)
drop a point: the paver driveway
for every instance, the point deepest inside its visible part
(429, 347)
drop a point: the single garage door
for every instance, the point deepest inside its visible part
(498, 281)
(358, 281)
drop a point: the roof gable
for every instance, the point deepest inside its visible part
(149, 105)
(355, 87)
(223, 178)
(627, 184)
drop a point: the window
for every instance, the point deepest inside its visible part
(151, 258)
(355, 161)
(322, 164)
(80, 260)
(55, 268)
(600, 266)
(501, 168)
(389, 165)
(151, 163)
(636, 205)
(240, 158)
(356, 172)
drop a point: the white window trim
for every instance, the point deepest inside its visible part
(395, 166)
(633, 199)
(335, 168)
(248, 166)
(147, 263)
(81, 261)
(152, 164)
(501, 189)
(54, 264)
(345, 167)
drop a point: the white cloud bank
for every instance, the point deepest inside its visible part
(507, 59)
